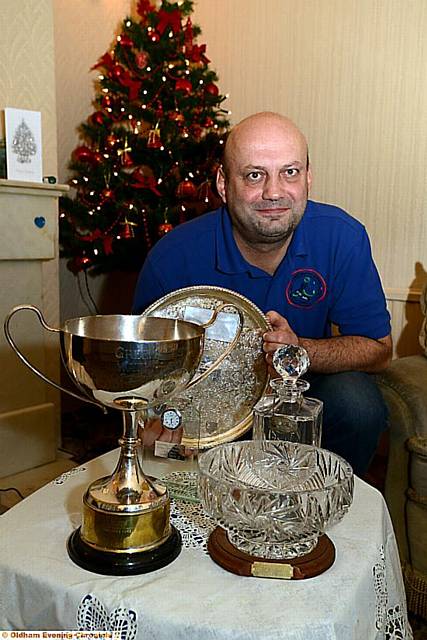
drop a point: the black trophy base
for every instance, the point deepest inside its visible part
(110, 563)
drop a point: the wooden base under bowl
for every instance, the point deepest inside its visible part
(232, 559)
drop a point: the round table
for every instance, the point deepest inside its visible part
(361, 596)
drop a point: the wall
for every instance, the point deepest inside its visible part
(351, 73)
(29, 409)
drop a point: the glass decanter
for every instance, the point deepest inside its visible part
(287, 414)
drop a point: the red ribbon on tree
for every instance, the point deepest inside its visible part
(198, 54)
(170, 19)
(143, 7)
(133, 85)
(108, 245)
(145, 182)
(105, 61)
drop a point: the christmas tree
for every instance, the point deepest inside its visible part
(150, 150)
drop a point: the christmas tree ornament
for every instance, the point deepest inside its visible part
(164, 228)
(126, 160)
(106, 194)
(154, 140)
(188, 38)
(125, 41)
(169, 20)
(143, 7)
(209, 122)
(212, 89)
(186, 190)
(205, 192)
(176, 116)
(117, 72)
(83, 154)
(128, 229)
(196, 130)
(98, 118)
(141, 59)
(106, 61)
(79, 263)
(184, 85)
(107, 101)
(111, 140)
(124, 154)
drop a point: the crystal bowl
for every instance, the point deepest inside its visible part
(274, 498)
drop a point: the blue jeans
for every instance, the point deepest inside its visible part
(354, 415)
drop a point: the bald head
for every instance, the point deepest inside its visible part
(265, 126)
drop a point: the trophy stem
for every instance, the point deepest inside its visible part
(128, 482)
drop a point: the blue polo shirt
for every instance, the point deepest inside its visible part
(326, 277)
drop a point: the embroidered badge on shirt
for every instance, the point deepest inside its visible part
(306, 288)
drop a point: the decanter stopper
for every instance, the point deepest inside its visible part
(290, 362)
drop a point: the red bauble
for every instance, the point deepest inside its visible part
(107, 194)
(125, 41)
(212, 89)
(98, 118)
(141, 59)
(154, 36)
(209, 122)
(79, 263)
(83, 154)
(196, 130)
(117, 72)
(111, 140)
(98, 158)
(184, 85)
(107, 101)
(176, 116)
(186, 190)
(164, 228)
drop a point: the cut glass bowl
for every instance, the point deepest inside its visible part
(274, 498)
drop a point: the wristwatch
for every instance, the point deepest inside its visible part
(171, 419)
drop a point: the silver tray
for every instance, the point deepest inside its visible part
(219, 409)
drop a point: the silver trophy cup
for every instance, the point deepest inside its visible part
(132, 364)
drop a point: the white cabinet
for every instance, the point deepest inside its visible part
(29, 408)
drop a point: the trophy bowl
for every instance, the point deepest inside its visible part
(129, 362)
(132, 364)
(274, 499)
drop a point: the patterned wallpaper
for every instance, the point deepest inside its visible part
(27, 75)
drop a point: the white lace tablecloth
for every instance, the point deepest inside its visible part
(360, 597)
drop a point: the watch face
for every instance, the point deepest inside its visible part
(171, 419)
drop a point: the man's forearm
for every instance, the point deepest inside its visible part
(347, 353)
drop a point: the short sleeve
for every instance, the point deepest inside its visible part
(359, 302)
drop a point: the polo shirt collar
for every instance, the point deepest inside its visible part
(228, 256)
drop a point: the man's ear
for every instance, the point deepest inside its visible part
(220, 183)
(309, 179)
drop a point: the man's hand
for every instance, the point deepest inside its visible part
(280, 334)
(330, 355)
(153, 430)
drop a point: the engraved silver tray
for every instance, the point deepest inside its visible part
(219, 409)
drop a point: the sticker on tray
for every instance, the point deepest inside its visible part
(224, 328)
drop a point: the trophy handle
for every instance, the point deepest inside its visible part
(228, 350)
(30, 307)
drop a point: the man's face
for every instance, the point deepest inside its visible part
(265, 182)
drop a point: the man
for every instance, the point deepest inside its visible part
(307, 265)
